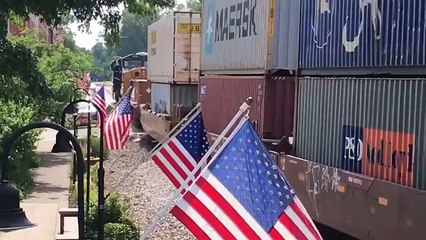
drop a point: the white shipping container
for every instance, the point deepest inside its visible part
(174, 48)
(249, 36)
(165, 96)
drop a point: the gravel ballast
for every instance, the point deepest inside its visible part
(148, 188)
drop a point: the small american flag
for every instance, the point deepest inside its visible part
(118, 124)
(242, 195)
(99, 100)
(180, 154)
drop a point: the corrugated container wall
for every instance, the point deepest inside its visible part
(249, 36)
(371, 126)
(272, 108)
(363, 34)
(174, 45)
(164, 96)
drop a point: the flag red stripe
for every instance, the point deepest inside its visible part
(180, 155)
(227, 208)
(275, 235)
(174, 163)
(166, 171)
(189, 223)
(208, 216)
(292, 228)
(304, 219)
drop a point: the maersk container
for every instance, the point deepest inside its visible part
(271, 111)
(249, 36)
(378, 36)
(370, 126)
(174, 48)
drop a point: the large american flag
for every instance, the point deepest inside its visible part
(242, 195)
(178, 156)
(99, 100)
(118, 124)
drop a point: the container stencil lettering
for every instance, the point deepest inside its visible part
(236, 21)
(382, 154)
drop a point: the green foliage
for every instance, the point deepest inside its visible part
(103, 57)
(95, 143)
(12, 116)
(134, 33)
(120, 231)
(195, 5)
(33, 93)
(118, 224)
(133, 38)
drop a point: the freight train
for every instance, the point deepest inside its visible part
(128, 70)
(338, 96)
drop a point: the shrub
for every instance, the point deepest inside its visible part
(118, 223)
(120, 231)
(95, 144)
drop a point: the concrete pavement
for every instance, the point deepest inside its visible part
(51, 192)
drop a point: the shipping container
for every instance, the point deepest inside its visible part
(370, 126)
(364, 207)
(271, 111)
(142, 91)
(371, 36)
(165, 96)
(249, 37)
(174, 48)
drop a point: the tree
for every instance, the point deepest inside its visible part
(103, 57)
(194, 5)
(36, 79)
(134, 33)
(22, 102)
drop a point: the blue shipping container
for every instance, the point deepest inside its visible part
(362, 33)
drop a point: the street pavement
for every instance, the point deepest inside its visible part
(51, 192)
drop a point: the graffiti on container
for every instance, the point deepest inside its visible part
(323, 20)
(160, 106)
(382, 154)
(237, 20)
(320, 178)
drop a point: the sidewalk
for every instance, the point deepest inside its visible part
(50, 193)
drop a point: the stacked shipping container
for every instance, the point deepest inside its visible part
(378, 118)
(173, 70)
(249, 49)
(360, 116)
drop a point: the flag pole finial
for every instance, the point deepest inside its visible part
(249, 100)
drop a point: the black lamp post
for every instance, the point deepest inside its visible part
(12, 216)
(88, 144)
(101, 171)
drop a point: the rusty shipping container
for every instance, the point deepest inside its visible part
(364, 207)
(142, 91)
(372, 36)
(370, 126)
(272, 108)
(174, 48)
(249, 36)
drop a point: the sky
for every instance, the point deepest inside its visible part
(88, 40)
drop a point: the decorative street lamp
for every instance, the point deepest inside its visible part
(12, 216)
(101, 171)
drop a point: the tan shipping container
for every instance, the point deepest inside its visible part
(174, 48)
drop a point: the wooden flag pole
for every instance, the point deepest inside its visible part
(242, 111)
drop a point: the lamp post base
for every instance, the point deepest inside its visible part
(12, 217)
(14, 220)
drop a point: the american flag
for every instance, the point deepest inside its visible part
(99, 100)
(118, 124)
(242, 195)
(180, 154)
